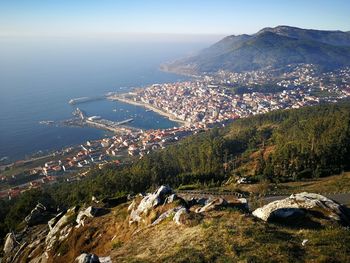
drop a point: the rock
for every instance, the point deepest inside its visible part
(62, 228)
(167, 214)
(212, 205)
(52, 222)
(171, 198)
(132, 206)
(177, 217)
(148, 202)
(304, 242)
(87, 258)
(88, 212)
(105, 259)
(37, 215)
(10, 243)
(297, 205)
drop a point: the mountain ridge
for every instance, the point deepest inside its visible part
(270, 47)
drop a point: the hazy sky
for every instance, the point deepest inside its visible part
(221, 17)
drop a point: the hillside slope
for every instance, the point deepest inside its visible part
(270, 48)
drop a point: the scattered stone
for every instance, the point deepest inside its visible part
(10, 243)
(88, 212)
(297, 205)
(304, 242)
(87, 258)
(170, 199)
(52, 222)
(177, 217)
(212, 205)
(148, 202)
(62, 228)
(166, 214)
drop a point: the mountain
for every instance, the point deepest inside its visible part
(269, 48)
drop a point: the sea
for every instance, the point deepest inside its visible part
(39, 76)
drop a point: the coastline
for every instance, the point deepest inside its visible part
(150, 107)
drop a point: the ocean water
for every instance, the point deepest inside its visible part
(39, 76)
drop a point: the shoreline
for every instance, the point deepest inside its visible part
(150, 107)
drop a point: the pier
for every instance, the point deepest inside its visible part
(83, 120)
(85, 99)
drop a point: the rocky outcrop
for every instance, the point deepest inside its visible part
(92, 258)
(212, 205)
(87, 258)
(149, 201)
(170, 212)
(62, 228)
(10, 243)
(53, 221)
(298, 205)
(88, 212)
(179, 215)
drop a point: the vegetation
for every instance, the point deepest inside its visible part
(279, 146)
(270, 48)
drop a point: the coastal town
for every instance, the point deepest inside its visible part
(214, 99)
(197, 105)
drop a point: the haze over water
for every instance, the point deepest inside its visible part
(38, 77)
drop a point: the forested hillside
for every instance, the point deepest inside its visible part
(278, 146)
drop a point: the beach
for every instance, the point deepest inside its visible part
(150, 107)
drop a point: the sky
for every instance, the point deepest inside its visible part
(170, 17)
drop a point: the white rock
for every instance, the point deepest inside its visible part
(52, 222)
(212, 205)
(166, 214)
(88, 212)
(178, 214)
(299, 202)
(10, 243)
(148, 202)
(304, 242)
(62, 225)
(87, 258)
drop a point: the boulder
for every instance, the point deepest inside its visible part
(62, 228)
(179, 214)
(10, 243)
(167, 214)
(148, 202)
(52, 222)
(87, 258)
(212, 205)
(298, 205)
(88, 212)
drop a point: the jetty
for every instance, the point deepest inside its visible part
(85, 99)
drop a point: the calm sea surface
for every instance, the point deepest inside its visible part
(38, 77)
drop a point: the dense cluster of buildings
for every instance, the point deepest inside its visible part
(73, 163)
(201, 101)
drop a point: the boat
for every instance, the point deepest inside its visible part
(114, 110)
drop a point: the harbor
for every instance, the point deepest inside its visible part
(81, 119)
